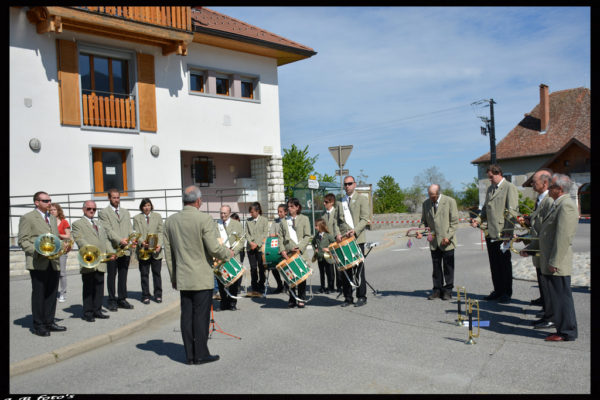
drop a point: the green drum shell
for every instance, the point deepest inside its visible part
(232, 268)
(297, 267)
(348, 254)
(271, 256)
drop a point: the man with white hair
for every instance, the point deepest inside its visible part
(556, 257)
(190, 238)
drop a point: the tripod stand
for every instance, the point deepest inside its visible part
(218, 328)
(370, 246)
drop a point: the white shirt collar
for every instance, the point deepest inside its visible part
(500, 183)
(541, 196)
(43, 214)
(114, 209)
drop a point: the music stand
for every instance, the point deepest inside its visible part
(218, 328)
(375, 291)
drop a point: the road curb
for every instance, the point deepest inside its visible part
(74, 349)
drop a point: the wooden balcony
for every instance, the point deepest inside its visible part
(167, 27)
(106, 111)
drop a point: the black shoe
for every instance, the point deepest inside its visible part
(537, 302)
(56, 328)
(361, 302)
(492, 296)
(504, 299)
(446, 296)
(124, 304)
(146, 301)
(278, 290)
(540, 314)
(544, 325)
(158, 299)
(101, 316)
(88, 318)
(291, 304)
(434, 295)
(327, 291)
(41, 332)
(347, 303)
(112, 307)
(190, 362)
(321, 290)
(207, 359)
(233, 308)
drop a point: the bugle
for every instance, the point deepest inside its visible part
(152, 241)
(89, 256)
(50, 245)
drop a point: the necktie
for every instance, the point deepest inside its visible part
(537, 202)
(117, 212)
(47, 220)
(95, 226)
(294, 223)
(494, 187)
(147, 220)
(435, 205)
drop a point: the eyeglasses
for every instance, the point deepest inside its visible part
(348, 183)
(45, 200)
(90, 209)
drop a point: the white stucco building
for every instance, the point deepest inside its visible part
(144, 99)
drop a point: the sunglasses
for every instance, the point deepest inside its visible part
(45, 200)
(90, 209)
(348, 183)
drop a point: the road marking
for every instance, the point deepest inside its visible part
(480, 243)
(423, 248)
(400, 250)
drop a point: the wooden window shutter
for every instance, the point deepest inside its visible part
(68, 82)
(146, 92)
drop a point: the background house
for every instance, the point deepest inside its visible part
(555, 134)
(147, 100)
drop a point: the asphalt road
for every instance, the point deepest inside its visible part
(399, 342)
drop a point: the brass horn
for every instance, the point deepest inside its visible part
(152, 241)
(413, 232)
(89, 256)
(525, 239)
(50, 245)
(131, 241)
(470, 304)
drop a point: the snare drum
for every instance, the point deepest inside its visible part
(270, 254)
(294, 270)
(229, 272)
(346, 253)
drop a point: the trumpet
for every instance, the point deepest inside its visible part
(50, 246)
(131, 241)
(89, 256)
(152, 241)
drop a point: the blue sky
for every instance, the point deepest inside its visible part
(397, 83)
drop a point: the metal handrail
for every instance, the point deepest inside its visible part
(71, 202)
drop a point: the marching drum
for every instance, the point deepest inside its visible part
(229, 272)
(270, 254)
(346, 253)
(294, 270)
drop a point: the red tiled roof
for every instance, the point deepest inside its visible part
(206, 19)
(569, 118)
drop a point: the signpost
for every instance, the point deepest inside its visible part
(340, 155)
(313, 184)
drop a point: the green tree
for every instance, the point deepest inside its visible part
(325, 177)
(297, 166)
(469, 197)
(389, 197)
(526, 204)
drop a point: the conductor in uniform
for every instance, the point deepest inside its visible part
(190, 241)
(440, 215)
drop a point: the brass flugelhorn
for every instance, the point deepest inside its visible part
(152, 241)
(89, 256)
(131, 241)
(50, 246)
(525, 239)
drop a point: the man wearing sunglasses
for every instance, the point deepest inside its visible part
(352, 217)
(44, 272)
(86, 231)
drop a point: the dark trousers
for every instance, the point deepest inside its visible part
(545, 293)
(563, 308)
(541, 284)
(93, 292)
(118, 267)
(500, 267)
(227, 301)
(44, 286)
(277, 277)
(145, 267)
(300, 291)
(339, 279)
(257, 270)
(326, 270)
(355, 273)
(195, 322)
(443, 270)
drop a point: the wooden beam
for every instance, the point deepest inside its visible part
(179, 48)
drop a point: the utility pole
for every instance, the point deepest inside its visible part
(489, 127)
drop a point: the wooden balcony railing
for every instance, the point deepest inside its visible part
(170, 17)
(108, 111)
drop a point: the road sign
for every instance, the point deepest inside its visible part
(343, 172)
(340, 154)
(313, 184)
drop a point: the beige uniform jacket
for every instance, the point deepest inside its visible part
(537, 216)
(556, 237)
(234, 229)
(319, 244)
(302, 226)
(31, 225)
(153, 225)
(442, 222)
(256, 231)
(359, 209)
(505, 197)
(84, 234)
(330, 221)
(190, 243)
(117, 228)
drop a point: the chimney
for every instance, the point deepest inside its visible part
(544, 108)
